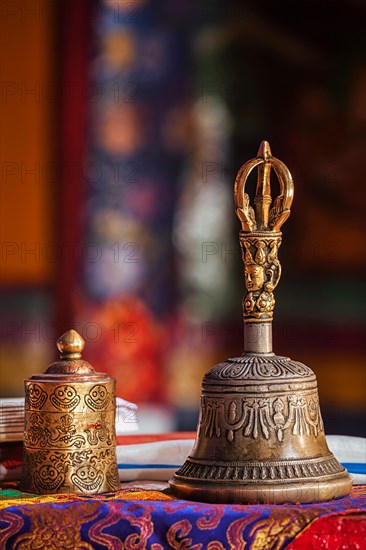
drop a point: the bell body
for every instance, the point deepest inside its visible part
(69, 437)
(260, 437)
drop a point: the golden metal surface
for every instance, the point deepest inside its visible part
(69, 432)
(260, 436)
(260, 237)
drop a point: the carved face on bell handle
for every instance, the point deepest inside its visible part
(254, 277)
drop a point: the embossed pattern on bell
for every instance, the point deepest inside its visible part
(260, 435)
(257, 368)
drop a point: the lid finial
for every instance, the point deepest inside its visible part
(70, 345)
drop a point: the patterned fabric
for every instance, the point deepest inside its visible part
(146, 518)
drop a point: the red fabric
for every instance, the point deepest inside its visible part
(151, 438)
(333, 533)
(11, 455)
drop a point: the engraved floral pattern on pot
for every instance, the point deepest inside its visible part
(99, 432)
(35, 396)
(48, 478)
(87, 478)
(65, 433)
(34, 431)
(52, 432)
(65, 398)
(97, 398)
(113, 477)
(67, 436)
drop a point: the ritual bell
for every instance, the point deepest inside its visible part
(260, 436)
(69, 433)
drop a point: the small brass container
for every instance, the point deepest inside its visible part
(69, 433)
(260, 436)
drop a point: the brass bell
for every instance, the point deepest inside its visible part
(260, 436)
(69, 433)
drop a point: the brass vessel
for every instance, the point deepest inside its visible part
(260, 436)
(69, 434)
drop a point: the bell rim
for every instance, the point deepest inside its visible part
(330, 487)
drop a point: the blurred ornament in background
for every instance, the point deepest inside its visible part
(141, 68)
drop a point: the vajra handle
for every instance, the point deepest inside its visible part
(260, 235)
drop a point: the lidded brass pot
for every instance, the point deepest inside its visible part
(260, 435)
(70, 436)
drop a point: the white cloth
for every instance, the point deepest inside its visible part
(351, 452)
(159, 460)
(154, 461)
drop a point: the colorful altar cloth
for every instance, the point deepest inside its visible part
(146, 516)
